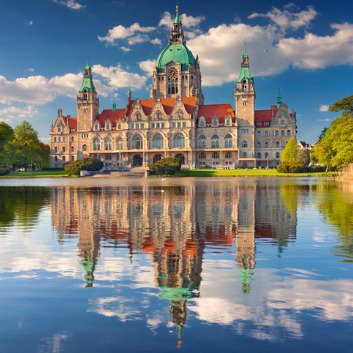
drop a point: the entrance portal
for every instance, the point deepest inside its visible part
(181, 158)
(137, 160)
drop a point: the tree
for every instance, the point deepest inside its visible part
(290, 152)
(304, 157)
(6, 135)
(345, 105)
(166, 166)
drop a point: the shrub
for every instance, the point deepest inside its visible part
(89, 164)
(4, 171)
(290, 167)
(166, 166)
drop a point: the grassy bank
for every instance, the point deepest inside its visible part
(246, 173)
(37, 174)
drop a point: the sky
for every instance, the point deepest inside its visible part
(302, 49)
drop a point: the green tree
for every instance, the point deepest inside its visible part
(345, 105)
(166, 166)
(6, 135)
(290, 152)
(304, 157)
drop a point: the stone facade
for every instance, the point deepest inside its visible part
(174, 121)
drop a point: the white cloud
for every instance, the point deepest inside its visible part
(316, 52)
(121, 32)
(147, 65)
(187, 21)
(323, 120)
(12, 113)
(30, 23)
(125, 49)
(287, 19)
(31, 69)
(156, 41)
(71, 4)
(324, 108)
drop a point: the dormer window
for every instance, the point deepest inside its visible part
(96, 126)
(108, 125)
(138, 116)
(228, 121)
(202, 122)
(158, 115)
(180, 114)
(214, 121)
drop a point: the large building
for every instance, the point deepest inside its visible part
(174, 121)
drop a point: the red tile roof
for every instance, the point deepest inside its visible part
(111, 115)
(70, 122)
(219, 110)
(265, 115)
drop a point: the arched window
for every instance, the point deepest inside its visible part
(215, 141)
(258, 132)
(214, 121)
(228, 121)
(138, 116)
(54, 139)
(108, 144)
(276, 133)
(96, 144)
(157, 141)
(202, 122)
(278, 154)
(181, 158)
(258, 144)
(84, 148)
(202, 141)
(64, 158)
(228, 155)
(108, 125)
(258, 155)
(244, 155)
(215, 155)
(282, 133)
(178, 141)
(278, 145)
(288, 132)
(63, 149)
(96, 126)
(283, 122)
(202, 155)
(180, 114)
(266, 155)
(244, 144)
(228, 141)
(72, 149)
(266, 133)
(119, 143)
(137, 142)
(266, 144)
(158, 115)
(55, 149)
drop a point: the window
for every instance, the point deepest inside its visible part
(244, 154)
(55, 149)
(72, 158)
(278, 145)
(157, 141)
(288, 132)
(158, 115)
(180, 114)
(228, 141)
(202, 155)
(202, 122)
(138, 116)
(84, 148)
(266, 133)
(72, 149)
(215, 155)
(55, 158)
(277, 155)
(54, 139)
(283, 122)
(228, 155)
(178, 141)
(276, 133)
(215, 141)
(64, 159)
(228, 121)
(266, 155)
(96, 126)
(266, 144)
(258, 132)
(96, 144)
(137, 142)
(108, 125)
(258, 144)
(258, 155)
(119, 143)
(282, 133)
(59, 139)
(108, 144)
(202, 141)
(72, 139)
(244, 131)
(119, 126)
(63, 149)
(244, 144)
(214, 121)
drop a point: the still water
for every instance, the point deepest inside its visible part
(157, 265)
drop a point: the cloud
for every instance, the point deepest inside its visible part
(324, 108)
(285, 19)
(71, 4)
(317, 52)
(147, 65)
(11, 113)
(323, 120)
(120, 32)
(187, 21)
(30, 23)
(156, 41)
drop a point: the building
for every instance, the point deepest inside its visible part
(174, 121)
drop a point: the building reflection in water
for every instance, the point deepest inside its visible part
(175, 225)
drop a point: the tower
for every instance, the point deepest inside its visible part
(87, 102)
(244, 93)
(177, 72)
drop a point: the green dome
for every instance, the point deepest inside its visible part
(175, 52)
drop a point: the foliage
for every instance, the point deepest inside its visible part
(6, 135)
(345, 105)
(4, 171)
(291, 167)
(304, 156)
(89, 164)
(166, 166)
(336, 147)
(290, 152)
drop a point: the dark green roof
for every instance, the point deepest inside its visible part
(87, 83)
(175, 52)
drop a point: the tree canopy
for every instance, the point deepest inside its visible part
(345, 105)
(290, 152)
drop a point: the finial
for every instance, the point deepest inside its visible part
(177, 18)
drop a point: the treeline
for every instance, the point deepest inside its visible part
(20, 147)
(335, 145)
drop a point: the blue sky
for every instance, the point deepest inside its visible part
(302, 48)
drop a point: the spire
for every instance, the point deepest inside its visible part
(129, 94)
(177, 18)
(279, 99)
(245, 67)
(177, 33)
(87, 81)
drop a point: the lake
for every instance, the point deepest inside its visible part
(176, 264)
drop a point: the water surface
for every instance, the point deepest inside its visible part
(157, 265)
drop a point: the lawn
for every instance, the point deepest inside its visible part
(37, 174)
